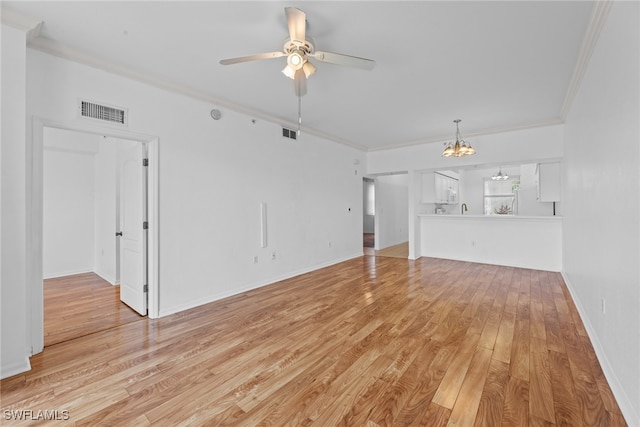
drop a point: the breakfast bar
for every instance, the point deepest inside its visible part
(520, 241)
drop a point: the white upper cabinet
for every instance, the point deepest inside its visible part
(439, 188)
(549, 182)
(446, 189)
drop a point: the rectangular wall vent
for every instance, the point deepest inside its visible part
(289, 133)
(105, 113)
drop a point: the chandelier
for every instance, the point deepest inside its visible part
(500, 176)
(460, 147)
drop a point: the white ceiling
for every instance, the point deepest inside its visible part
(496, 65)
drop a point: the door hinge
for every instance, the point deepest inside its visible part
(145, 162)
(145, 288)
(145, 225)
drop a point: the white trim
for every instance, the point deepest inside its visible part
(626, 407)
(597, 20)
(67, 273)
(491, 131)
(106, 277)
(57, 49)
(153, 212)
(598, 17)
(15, 369)
(35, 150)
(250, 286)
(14, 19)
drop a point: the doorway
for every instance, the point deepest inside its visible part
(90, 190)
(369, 214)
(35, 290)
(386, 214)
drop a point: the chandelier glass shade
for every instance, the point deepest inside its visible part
(500, 176)
(460, 148)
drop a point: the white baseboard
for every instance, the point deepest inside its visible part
(626, 407)
(106, 277)
(66, 273)
(15, 368)
(250, 286)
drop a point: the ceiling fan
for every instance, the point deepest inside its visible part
(298, 49)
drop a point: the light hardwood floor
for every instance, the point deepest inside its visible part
(369, 342)
(80, 305)
(397, 251)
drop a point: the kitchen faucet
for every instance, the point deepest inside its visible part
(463, 208)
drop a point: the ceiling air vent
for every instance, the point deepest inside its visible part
(105, 113)
(289, 133)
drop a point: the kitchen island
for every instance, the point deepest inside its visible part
(520, 241)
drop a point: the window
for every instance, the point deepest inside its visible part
(501, 197)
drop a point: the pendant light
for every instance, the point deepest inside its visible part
(460, 148)
(500, 176)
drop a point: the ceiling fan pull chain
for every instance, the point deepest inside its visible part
(299, 113)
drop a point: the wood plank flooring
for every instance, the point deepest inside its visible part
(373, 341)
(397, 251)
(80, 305)
(368, 240)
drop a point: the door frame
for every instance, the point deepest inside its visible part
(34, 186)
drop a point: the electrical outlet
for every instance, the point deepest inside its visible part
(473, 243)
(255, 259)
(329, 243)
(273, 255)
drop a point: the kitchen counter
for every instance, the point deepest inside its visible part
(491, 217)
(520, 241)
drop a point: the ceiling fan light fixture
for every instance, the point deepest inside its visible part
(295, 60)
(460, 148)
(297, 49)
(309, 69)
(289, 72)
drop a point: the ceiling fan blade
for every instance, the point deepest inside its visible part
(297, 22)
(257, 57)
(300, 82)
(348, 60)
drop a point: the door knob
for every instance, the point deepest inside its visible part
(119, 233)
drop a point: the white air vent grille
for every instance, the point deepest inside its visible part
(289, 133)
(103, 112)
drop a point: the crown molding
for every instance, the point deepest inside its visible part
(30, 26)
(597, 20)
(60, 50)
(491, 131)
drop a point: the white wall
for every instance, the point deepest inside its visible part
(515, 147)
(602, 202)
(68, 203)
(79, 204)
(502, 240)
(105, 212)
(14, 348)
(392, 210)
(213, 177)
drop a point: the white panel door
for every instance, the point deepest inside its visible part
(133, 238)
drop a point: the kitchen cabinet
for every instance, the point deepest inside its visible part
(548, 180)
(439, 188)
(446, 189)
